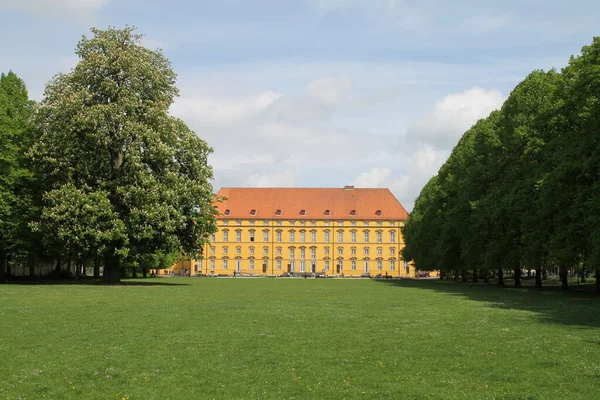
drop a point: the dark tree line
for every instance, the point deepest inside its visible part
(98, 173)
(521, 189)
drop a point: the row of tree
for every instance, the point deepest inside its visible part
(98, 172)
(521, 189)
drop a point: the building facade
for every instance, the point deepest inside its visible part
(281, 231)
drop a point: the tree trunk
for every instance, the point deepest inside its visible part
(474, 275)
(564, 277)
(96, 269)
(598, 281)
(486, 276)
(538, 277)
(455, 275)
(518, 277)
(57, 269)
(500, 277)
(8, 266)
(3, 262)
(441, 274)
(464, 275)
(134, 273)
(31, 264)
(145, 272)
(112, 270)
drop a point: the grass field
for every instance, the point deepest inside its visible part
(189, 338)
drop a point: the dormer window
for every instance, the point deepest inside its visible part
(252, 212)
(278, 212)
(327, 212)
(227, 212)
(352, 212)
(302, 212)
(378, 213)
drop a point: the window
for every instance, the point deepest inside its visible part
(227, 212)
(252, 212)
(313, 236)
(340, 251)
(379, 237)
(340, 223)
(302, 223)
(366, 251)
(341, 236)
(352, 212)
(292, 236)
(302, 266)
(392, 223)
(252, 235)
(392, 264)
(313, 254)
(379, 251)
(302, 253)
(251, 262)
(238, 223)
(278, 265)
(278, 212)
(212, 264)
(292, 223)
(252, 222)
(326, 236)
(213, 238)
(225, 235)
(278, 251)
(341, 265)
(224, 264)
(393, 236)
(302, 212)
(302, 236)
(278, 236)
(238, 250)
(326, 223)
(251, 249)
(406, 267)
(279, 223)
(212, 250)
(353, 251)
(392, 251)
(266, 222)
(326, 251)
(379, 265)
(353, 236)
(292, 254)
(326, 265)
(327, 212)
(366, 236)
(353, 223)
(266, 250)
(378, 213)
(238, 236)
(366, 223)
(379, 223)
(265, 235)
(225, 250)
(225, 222)
(313, 223)
(353, 265)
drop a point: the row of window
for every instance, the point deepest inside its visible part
(313, 267)
(303, 223)
(302, 236)
(313, 251)
(279, 212)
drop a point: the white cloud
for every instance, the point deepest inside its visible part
(453, 115)
(57, 8)
(373, 178)
(278, 179)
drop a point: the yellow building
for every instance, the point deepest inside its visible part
(331, 232)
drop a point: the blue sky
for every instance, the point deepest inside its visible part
(319, 93)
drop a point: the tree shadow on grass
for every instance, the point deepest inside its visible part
(550, 303)
(95, 282)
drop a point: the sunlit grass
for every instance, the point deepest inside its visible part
(189, 338)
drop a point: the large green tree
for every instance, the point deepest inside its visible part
(17, 202)
(106, 132)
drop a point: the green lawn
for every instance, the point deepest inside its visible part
(190, 338)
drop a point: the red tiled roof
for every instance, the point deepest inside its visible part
(315, 201)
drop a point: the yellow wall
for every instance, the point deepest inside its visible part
(237, 253)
